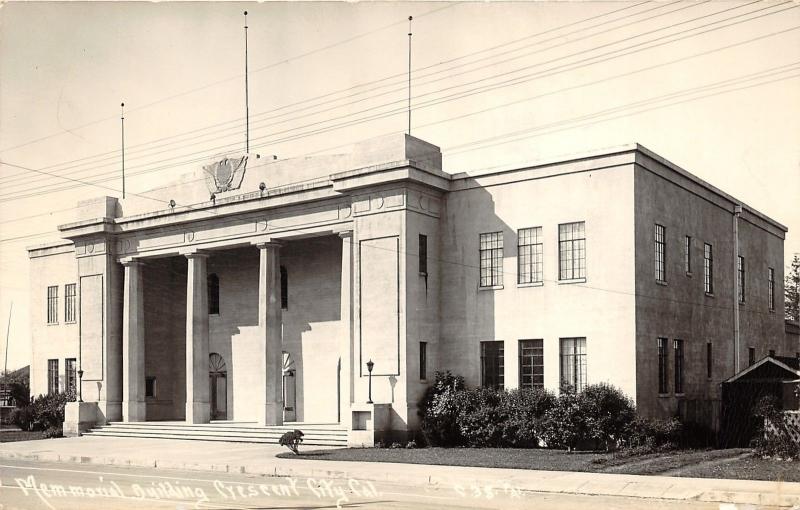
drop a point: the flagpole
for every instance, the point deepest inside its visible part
(409, 74)
(246, 90)
(122, 120)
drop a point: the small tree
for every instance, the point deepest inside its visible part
(791, 290)
(292, 440)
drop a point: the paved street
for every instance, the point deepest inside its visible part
(57, 486)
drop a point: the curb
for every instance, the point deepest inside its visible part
(641, 486)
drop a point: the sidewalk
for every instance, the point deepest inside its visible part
(260, 459)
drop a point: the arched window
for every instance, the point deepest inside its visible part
(284, 289)
(213, 294)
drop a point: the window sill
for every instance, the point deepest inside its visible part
(573, 280)
(423, 273)
(664, 395)
(710, 294)
(680, 395)
(52, 324)
(772, 310)
(741, 303)
(531, 284)
(688, 274)
(493, 287)
(659, 282)
(71, 322)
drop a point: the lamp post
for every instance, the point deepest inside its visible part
(80, 380)
(370, 365)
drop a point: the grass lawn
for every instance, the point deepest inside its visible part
(733, 463)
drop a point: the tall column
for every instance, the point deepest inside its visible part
(133, 407)
(198, 409)
(346, 387)
(270, 329)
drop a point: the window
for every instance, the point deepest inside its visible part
(491, 252)
(531, 364)
(213, 294)
(52, 376)
(751, 356)
(284, 289)
(529, 255)
(572, 251)
(708, 268)
(423, 254)
(660, 254)
(150, 387)
(709, 361)
(573, 362)
(70, 375)
(52, 304)
(740, 281)
(423, 361)
(70, 297)
(678, 347)
(663, 360)
(771, 289)
(687, 254)
(492, 365)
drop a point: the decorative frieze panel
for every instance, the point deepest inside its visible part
(89, 247)
(396, 199)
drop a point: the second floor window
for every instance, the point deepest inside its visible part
(70, 302)
(740, 280)
(529, 255)
(771, 289)
(708, 268)
(491, 253)
(423, 254)
(660, 254)
(687, 254)
(284, 288)
(213, 294)
(423, 361)
(52, 304)
(492, 365)
(751, 356)
(572, 250)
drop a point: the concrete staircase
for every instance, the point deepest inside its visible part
(315, 434)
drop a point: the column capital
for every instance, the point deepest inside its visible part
(195, 254)
(264, 244)
(345, 234)
(130, 261)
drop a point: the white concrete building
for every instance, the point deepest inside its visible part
(265, 305)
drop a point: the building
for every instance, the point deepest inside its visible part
(265, 302)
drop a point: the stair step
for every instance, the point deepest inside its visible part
(223, 430)
(229, 439)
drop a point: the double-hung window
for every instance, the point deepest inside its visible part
(492, 365)
(740, 277)
(529, 255)
(687, 254)
(491, 254)
(660, 254)
(52, 304)
(572, 250)
(52, 376)
(708, 268)
(70, 302)
(531, 364)
(678, 347)
(771, 288)
(573, 362)
(663, 363)
(70, 375)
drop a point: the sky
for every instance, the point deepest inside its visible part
(711, 86)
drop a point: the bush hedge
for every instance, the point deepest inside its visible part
(45, 412)
(600, 416)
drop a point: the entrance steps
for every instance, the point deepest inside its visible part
(315, 434)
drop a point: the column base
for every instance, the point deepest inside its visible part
(273, 413)
(198, 412)
(108, 411)
(133, 411)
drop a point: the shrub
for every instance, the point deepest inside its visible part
(411, 445)
(651, 434)
(609, 413)
(483, 417)
(291, 440)
(440, 408)
(526, 410)
(44, 412)
(566, 424)
(23, 417)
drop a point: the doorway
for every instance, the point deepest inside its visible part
(218, 381)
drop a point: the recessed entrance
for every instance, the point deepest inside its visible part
(218, 380)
